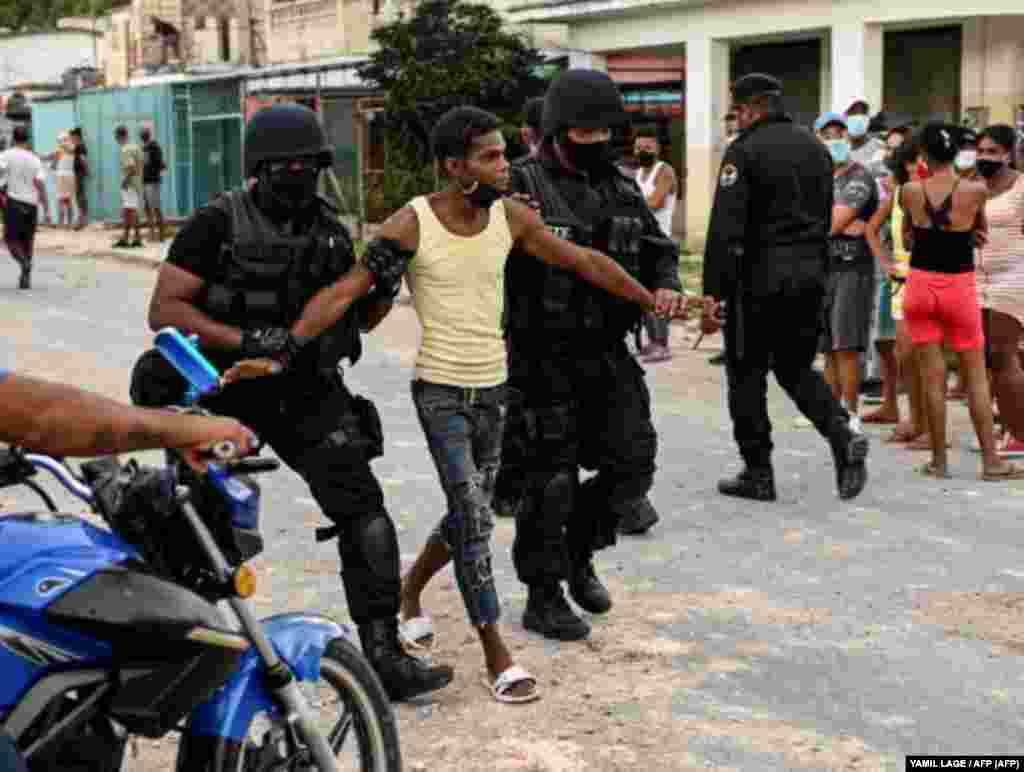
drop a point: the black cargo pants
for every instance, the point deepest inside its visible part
(328, 436)
(780, 334)
(586, 408)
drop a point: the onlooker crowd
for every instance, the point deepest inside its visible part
(944, 229)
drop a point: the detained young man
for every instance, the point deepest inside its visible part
(451, 247)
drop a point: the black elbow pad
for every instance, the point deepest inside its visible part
(388, 261)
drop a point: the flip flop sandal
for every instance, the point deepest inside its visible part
(924, 444)
(929, 470)
(874, 418)
(1013, 472)
(897, 437)
(417, 633)
(501, 688)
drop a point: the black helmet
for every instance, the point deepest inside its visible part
(284, 131)
(582, 99)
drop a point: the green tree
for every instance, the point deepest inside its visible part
(31, 15)
(447, 53)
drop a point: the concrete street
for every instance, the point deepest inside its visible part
(806, 634)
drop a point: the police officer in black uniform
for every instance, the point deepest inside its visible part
(238, 275)
(766, 258)
(585, 402)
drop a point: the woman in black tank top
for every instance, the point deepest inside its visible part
(941, 304)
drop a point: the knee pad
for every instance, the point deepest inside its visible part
(370, 540)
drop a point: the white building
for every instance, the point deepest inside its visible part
(43, 57)
(903, 56)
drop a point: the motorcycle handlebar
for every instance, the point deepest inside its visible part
(64, 476)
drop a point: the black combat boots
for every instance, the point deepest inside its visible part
(757, 483)
(586, 589)
(403, 675)
(548, 613)
(638, 516)
(850, 451)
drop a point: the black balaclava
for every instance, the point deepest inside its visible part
(287, 193)
(586, 157)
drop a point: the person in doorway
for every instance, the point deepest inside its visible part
(850, 293)
(941, 305)
(1002, 265)
(769, 265)
(24, 182)
(81, 176)
(657, 181)
(131, 189)
(867, 151)
(153, 168)
(452, 248)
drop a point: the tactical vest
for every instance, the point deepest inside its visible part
(548, 299)
(267, 278)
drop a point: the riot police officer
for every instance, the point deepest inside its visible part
(766, 257)
(585, 402)
(238, 275)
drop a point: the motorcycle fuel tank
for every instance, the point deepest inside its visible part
(42, 557)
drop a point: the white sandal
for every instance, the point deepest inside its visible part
(502, 686)
(417, 633)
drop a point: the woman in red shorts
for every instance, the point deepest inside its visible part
(941, 302)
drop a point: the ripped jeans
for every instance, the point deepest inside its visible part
(464, 429)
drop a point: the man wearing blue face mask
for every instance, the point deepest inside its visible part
(850, 291)
(865, 150)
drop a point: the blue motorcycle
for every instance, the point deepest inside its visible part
(106, 634)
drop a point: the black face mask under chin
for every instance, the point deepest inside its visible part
(289, 192)
(481, 194)
(585, 156)
(988, 167)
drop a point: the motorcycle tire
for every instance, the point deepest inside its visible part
(368, 719)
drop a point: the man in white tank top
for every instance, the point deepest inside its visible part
(657, 181)
(452, 247)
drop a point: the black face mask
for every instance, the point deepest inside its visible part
(290, 192)
(646, 158)
(585, 157)
(482, 195)
(988, 168)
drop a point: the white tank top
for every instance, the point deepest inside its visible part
(458, 290)
(663, 215)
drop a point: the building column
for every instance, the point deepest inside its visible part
(587, 60)
(857, 64)
(707, 101)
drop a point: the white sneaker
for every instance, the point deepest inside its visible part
(855, 425)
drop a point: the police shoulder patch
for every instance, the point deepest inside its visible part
(729, 176)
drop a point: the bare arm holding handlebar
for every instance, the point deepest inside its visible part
(61, 420)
